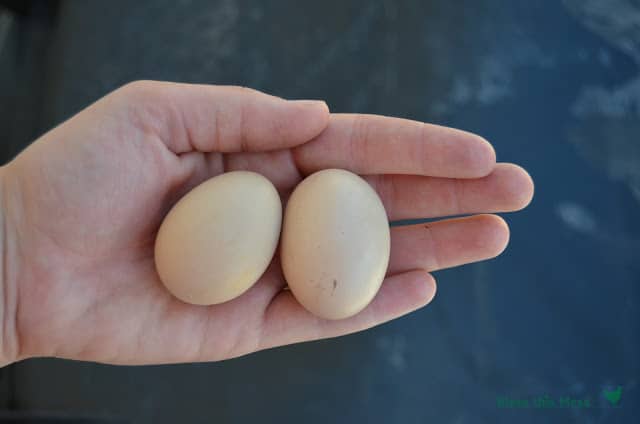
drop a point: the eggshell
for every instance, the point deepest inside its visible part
(335, 243)
(218, 240)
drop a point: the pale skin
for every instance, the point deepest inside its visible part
(80, 208)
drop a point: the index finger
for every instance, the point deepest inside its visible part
(373, 144)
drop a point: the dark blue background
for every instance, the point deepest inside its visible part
(554, 85)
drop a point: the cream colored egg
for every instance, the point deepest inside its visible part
(218, 240)
(335, 243)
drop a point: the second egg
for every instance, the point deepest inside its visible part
(335, 243)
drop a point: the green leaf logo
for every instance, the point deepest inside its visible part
(613, 396)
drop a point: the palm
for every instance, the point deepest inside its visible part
(102, 187)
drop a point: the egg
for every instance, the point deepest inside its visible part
(217, 241)
(335, 243)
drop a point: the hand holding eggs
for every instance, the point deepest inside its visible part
(218, 240)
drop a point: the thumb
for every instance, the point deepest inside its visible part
(209, 118)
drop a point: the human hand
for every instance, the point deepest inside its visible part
(81, 207)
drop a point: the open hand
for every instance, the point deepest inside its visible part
(81, 207)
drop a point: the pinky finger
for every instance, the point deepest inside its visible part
(287, 322)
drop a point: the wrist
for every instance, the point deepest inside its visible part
(8, 287)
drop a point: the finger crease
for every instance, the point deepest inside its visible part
(433, 246)
(244, 142)
(457, 197)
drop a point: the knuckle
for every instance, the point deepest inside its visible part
(241, 89)
(142, 104)
(137, 90)
(238, 90)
